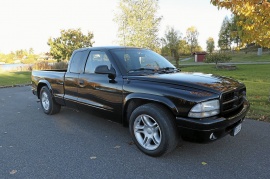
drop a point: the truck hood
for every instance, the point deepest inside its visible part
(207, 82)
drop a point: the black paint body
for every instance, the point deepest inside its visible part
(115, 98)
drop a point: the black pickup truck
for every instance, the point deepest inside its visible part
(142, 90)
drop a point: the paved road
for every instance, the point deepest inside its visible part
(78, 145)
(186, 59)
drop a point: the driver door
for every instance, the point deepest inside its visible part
(97, 92)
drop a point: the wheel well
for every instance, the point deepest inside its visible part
(40, 85)
(133, 104)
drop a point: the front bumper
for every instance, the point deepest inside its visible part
(210, 129)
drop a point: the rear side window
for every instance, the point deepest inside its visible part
(78, 61)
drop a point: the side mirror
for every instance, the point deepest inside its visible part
(103, 69)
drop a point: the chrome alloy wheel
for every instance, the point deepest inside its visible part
(45, 101)
(147, 132)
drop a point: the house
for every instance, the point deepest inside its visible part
(199, 56)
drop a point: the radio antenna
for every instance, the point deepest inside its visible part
(124, 30)
(125, 54)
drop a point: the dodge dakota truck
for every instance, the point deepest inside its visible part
(142, 90)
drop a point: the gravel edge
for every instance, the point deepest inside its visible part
(16, 85)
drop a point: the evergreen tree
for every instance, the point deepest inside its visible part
(224, 41)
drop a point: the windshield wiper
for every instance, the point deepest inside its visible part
(141, 69)
(168, 70)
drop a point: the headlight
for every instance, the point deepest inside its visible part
(205, 109)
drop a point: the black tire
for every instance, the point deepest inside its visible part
(48, 104)
(161, 137)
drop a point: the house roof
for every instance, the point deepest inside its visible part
(199, 53)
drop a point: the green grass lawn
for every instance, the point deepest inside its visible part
(14, 78)
(257, 80)
(237, 57)
(250, 57)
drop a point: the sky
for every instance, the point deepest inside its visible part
(28, 24)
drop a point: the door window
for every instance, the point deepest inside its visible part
(96, 58)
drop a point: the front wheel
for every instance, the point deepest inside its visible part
(153, 130)
(48, 104)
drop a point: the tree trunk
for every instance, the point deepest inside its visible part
(176, 57)
(177, 62)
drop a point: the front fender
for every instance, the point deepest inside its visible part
(150, 97)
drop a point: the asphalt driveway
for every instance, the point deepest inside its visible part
(75, 144)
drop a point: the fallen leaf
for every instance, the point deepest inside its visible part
(131, 143)
(12, 172)
(93, 157)
(204, 163)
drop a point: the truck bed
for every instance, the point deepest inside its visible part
(54, 79)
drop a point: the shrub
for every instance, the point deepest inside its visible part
(60, 65)
(42, 66)
(217, 58)
(49, 66)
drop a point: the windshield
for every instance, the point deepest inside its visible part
(141, 60)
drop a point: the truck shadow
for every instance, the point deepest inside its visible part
(71, 121)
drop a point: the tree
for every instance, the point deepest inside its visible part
(71, 39)
(210, 44)
(30, 59)
(224, 40)
(21, 54)
(198, 48)
(192, 38)
(217, 58)
(184, 47)
(31, 51)
(171, 41)
(254, 19)
(138, 23)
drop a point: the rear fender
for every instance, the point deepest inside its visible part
(42, 83)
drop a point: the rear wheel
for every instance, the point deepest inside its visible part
(48, 104)
(153, 130)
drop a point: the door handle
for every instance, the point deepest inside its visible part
(81, 82)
